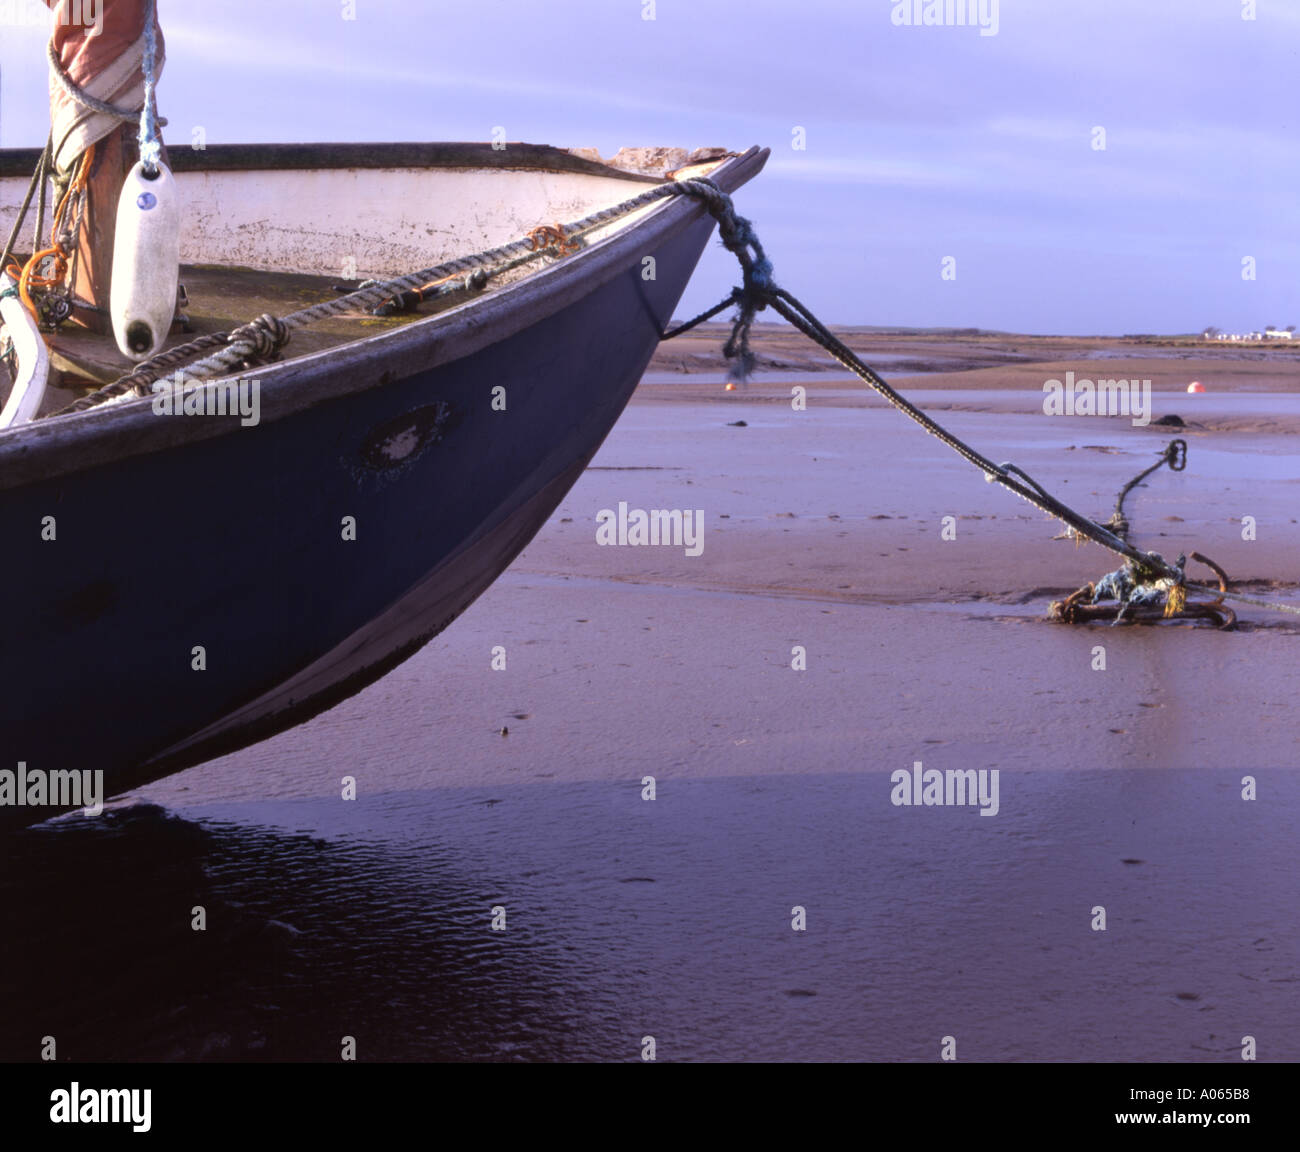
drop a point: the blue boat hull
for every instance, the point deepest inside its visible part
(238, 543)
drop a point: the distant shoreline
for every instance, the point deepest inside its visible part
(968, 358)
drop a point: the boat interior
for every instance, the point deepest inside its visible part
(272, 229)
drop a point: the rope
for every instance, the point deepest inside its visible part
(139, 381)
(757, 290)
(708, 314)
(38, 181)
(1008, 475)
(80, 95)
(1243, 598)
(150, 145)
(1175, 456)
(37, 235)
(54, 308)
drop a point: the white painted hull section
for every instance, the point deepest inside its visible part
(373, 222)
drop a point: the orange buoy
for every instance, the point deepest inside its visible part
(1196, 386)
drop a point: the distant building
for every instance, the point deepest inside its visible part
(1269, 333)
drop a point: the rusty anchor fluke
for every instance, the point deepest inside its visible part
(1080, 608)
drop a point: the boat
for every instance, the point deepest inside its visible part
(179, 586)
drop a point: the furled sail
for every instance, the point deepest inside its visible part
(121, 253)
(105, 64)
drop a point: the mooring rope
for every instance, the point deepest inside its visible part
(1175, 455)
(759, 291)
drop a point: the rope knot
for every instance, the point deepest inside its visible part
(760, 276)
(758, 288)
(264, 337)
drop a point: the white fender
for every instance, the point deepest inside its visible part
(146, 262)
(33, 360)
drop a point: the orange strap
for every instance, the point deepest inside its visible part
(27, 276)
(552, 236)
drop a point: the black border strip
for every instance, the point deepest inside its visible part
(264, 157)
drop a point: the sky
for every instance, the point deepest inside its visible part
(922, 174)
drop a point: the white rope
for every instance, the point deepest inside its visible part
(150, 145)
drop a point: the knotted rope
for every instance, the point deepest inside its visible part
(757, 287)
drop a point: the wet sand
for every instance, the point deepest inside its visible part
(966, 358)
(522, 788)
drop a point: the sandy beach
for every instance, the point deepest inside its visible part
(1119, 788)
(859, 609)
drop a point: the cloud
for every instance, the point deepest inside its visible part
(912, 133)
